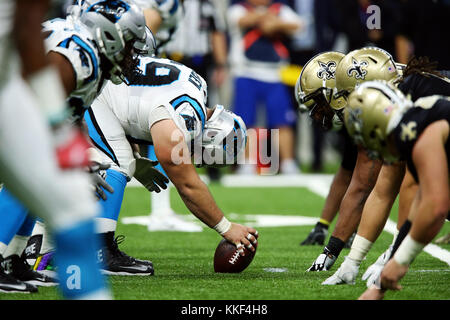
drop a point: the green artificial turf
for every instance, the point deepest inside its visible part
(184, 261)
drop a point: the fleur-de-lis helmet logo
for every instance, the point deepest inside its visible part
(327, 70)
(357, 69)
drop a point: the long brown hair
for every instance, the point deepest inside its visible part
(420, 65)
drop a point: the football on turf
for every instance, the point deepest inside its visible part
(228, 260)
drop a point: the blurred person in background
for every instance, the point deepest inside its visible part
(200, 43)
(358, 20)
(258, 29)
(420, 31)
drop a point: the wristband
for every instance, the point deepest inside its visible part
(407, 251)
(223, 226)
(50, 94)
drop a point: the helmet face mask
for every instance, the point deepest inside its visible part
(223, 139)
(321, 111)
(374, 110)
(315, 87)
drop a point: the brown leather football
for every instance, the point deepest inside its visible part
(228, 260)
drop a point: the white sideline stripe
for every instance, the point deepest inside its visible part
(316, 183)
(431, 249)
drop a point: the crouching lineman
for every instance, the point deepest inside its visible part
(163, 105)
(319, 89)
(87, 50)
(392, 128)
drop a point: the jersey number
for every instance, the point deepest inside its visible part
(156, 74)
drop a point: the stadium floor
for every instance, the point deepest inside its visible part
(283, 209)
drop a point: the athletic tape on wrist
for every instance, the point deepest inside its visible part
(407, 251)
(50, 94)
(223, 226)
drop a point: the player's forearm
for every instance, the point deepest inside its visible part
(27, 35)
(195, 194)
(429, 218)
(153, 19)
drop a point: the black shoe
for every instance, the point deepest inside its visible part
(316, 236)
(9, 284)
(116, 262)
(19, 268)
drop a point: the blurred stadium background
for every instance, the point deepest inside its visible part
(183, 261)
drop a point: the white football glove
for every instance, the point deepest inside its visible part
(346, 274)
(150, 177)
(323, 262)
(373, 272)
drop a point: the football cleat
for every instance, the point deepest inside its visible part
(346, 274)
(316, 236)
(373, 272)
(116, 262)
(323, 262)
(9, 284)
(19, 268)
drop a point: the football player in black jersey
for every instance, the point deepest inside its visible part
(392, 127)
(419, 79)
(357, 67)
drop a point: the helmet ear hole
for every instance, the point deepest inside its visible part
(109, 36)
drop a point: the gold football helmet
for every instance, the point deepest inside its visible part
(373, 111)
(365, 64)
(316, 85)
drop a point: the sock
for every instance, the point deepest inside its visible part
(12, 216)
(16, 246)
(107, 221)
(3, 247)
(403, 232)
(47, 244)
(324, 224)
(76, 261)
(335, 246)
(360, 247)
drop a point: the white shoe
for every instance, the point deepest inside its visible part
(171, 221)
(246, 169)
(289, 167)
(346, 274)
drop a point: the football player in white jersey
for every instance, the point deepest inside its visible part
(163, 17)
(164, 105)
(100, 46)
(37, 181)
